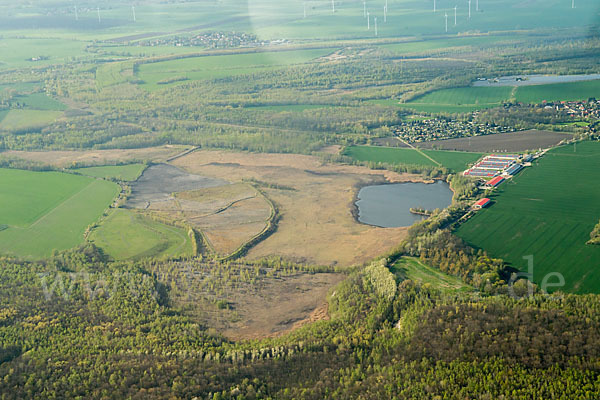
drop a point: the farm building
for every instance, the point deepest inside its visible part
(509, 157)
(513, 169)
(481, 203)
(495, 182)
(494, 165)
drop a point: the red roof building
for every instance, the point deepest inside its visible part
(482, 203)
(495, 182)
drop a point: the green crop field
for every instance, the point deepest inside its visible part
(413, 269)
(129, 172)
(456, 161)
(127, 234)
(471, 98)
(424, 46)
(560, 91)
(48, 210)
(40, 101)
(211, 67)
(28, 119)
(18, 52)
(3, 114)
(547, 211)
(453, 160)
(462, 99)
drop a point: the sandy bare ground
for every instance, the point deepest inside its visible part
(317, 225)
(229, 215)
(515, 141)
(64, 159)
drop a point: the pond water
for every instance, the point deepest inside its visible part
(388, 206)
(528, 80)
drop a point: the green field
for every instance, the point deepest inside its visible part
(48, 210)
(211, 67)
(471, 98)
(425, 46)
(547, 211)
(18, 52)
(3, 114)
(453, 160)
(129, 172)
(28, 119)
(40, 101)
(560, 91)
(127, 234)
(413, 269)
(463, 99)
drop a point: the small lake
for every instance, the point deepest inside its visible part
(528, 80)
(388, 206)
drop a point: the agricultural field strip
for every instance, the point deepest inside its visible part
(64, 226)
(55, 209)
(418, 150)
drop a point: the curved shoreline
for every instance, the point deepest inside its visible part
(381, 182)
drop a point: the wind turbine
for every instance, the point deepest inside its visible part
(455, 7)
(477, 5)
(368, 21)
(98, 14)
(133, 12)
(446, 16)
(384, 14)
(375, 26)
(434, 6)
(385, 11)
(469, 9)
(333, 6)
(572, 3)
(76, 14)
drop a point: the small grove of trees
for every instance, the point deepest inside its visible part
(595, 235)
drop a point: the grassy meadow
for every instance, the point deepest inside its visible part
(127, 234)
(412, 268)
(16, 120)
(547, 211)
(40, 101)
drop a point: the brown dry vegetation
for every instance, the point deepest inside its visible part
(279, 306)
(63, 159)
(317, 225)
(228, 215)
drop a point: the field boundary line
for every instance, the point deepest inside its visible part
(418, 151)
(59, 206)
